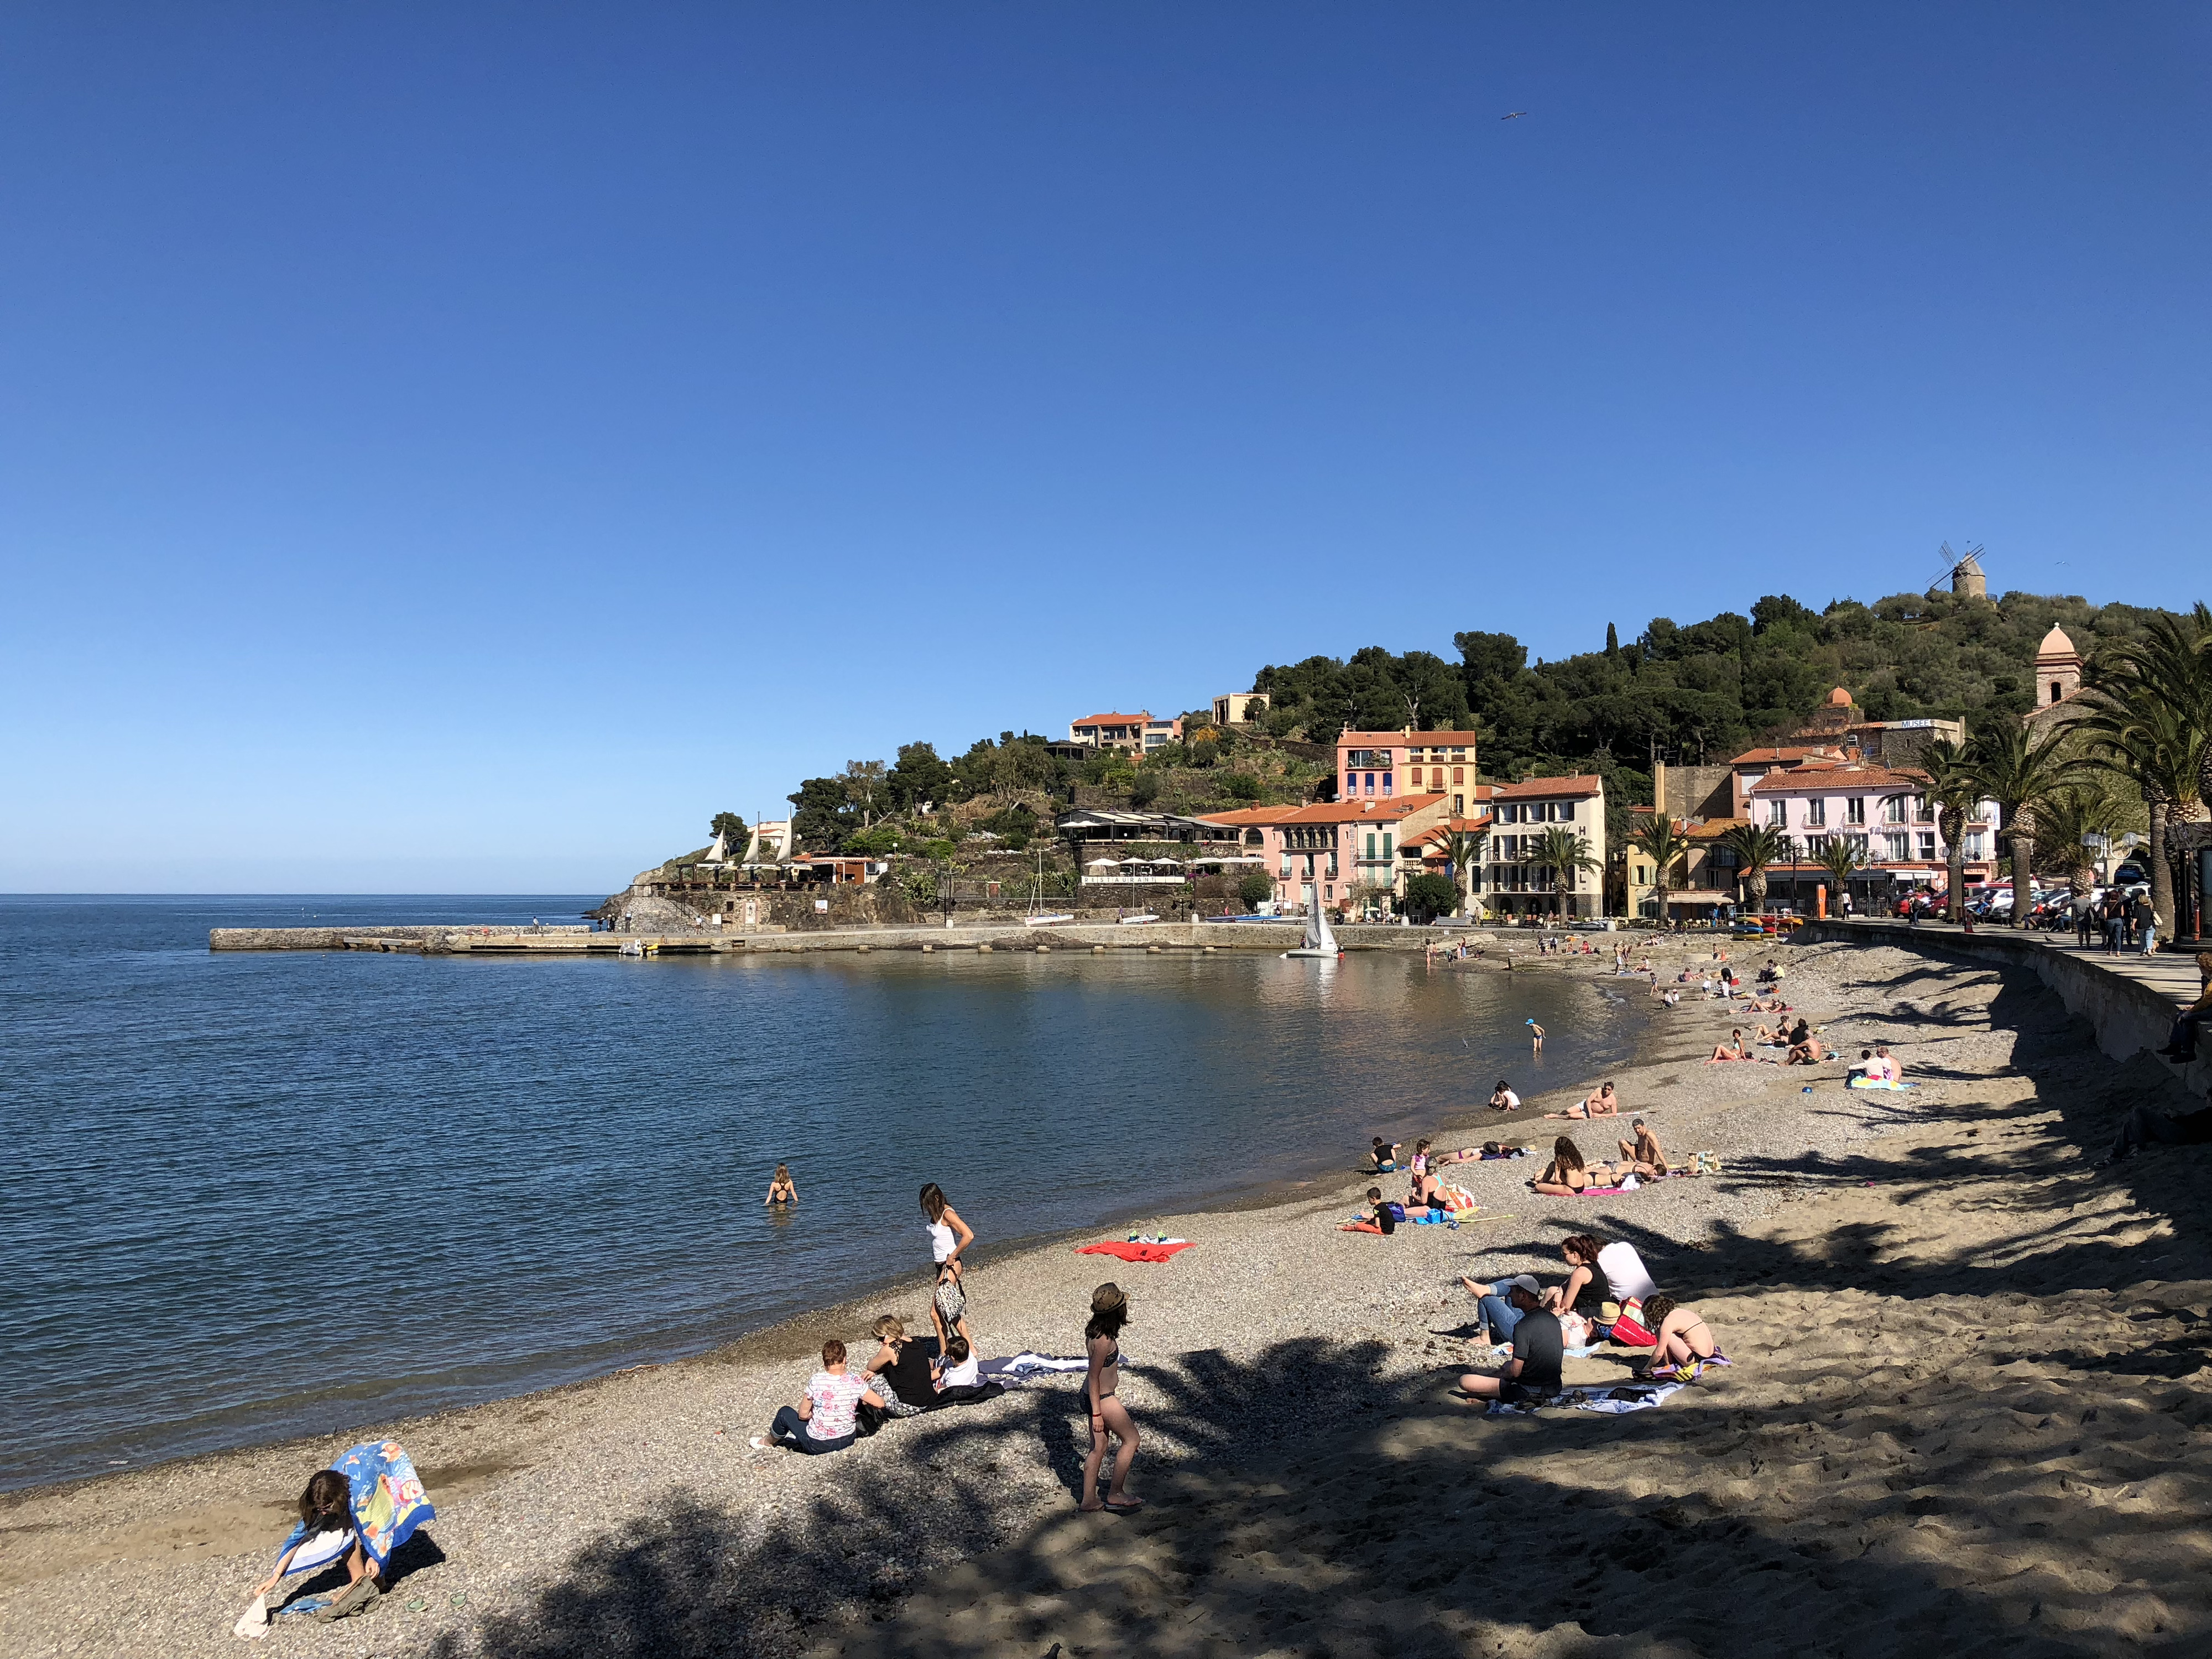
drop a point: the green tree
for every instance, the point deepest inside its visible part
(864, 787)
(1427, 897)
(1254, 889)
(2149, 707)
(1565, 852)
(1241, 786)
(1465, 850)
(1839, 858)
(2018, 767)
(732, 829)
(2071, 819)
(1144, 788)
(918, 775)
(1756, 847)
(1661, 841)
(822, 815)
(1954, 791)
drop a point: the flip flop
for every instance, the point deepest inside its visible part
(1112, 1508)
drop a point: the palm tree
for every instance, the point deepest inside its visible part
(2068, 822)
(1838, 858)
(1659, 839)
(2147, 709)
(1464, 849)
(1755, 846)
(1954, 794)
(2019, 768)
(1564, 851)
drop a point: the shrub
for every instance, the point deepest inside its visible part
(1427, 897)
(1254, 887)
(1241, 786)
(1145, 789)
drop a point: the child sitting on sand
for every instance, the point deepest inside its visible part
(1386, 1156)
(959, 1368)
(1503, 1099)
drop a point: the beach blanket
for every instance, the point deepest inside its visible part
(1877, 1083)
(1020, 1367)
(1613, 1401)
(1133, 1252)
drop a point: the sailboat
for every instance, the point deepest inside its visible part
(1319, 941)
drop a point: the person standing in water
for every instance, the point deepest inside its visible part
(949, 1236)
(1109, 1311)
(782, 1190)
(1536, 1038)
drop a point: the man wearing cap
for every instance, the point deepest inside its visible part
(1532, 1372)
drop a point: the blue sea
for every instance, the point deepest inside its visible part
(250, 1196)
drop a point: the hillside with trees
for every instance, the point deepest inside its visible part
(1685, 692)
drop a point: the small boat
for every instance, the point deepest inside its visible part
(1319, 942)
(1137, 922)
(1045, 921)
(631, 947)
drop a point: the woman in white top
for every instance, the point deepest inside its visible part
(948, 1236)
(1588, 1258)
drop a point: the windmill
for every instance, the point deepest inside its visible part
(1964, 572)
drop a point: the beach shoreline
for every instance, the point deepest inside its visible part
(1270, 1279)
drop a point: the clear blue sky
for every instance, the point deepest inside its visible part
(462, 449)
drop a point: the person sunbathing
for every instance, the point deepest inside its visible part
(1643, 1153)
(1683, 1336)
(1892, 1073)
(1804, 1050)
(1566, 1175)
(1733, 1048)
(1602, 1102)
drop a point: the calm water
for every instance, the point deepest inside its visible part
(246, 1196)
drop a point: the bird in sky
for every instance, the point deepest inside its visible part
(1515, 116)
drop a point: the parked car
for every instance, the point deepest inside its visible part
(2129, 874)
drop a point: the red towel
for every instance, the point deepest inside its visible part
(1129, 1252)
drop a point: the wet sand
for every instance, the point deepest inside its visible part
(1971, 1408)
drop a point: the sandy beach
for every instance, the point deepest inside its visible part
(1970, 1410)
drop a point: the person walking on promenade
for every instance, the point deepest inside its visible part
(949, 1236)
(2145, 923)
(1109, 1311)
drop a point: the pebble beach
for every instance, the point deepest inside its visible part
(1970, 1407)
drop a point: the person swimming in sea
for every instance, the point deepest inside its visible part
(782, 1190)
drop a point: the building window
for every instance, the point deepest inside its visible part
(1459, 807)
(1778, 813)
(1370, 843)
(1459, 775)
(1332, 861)
(1893, 809)
(1922, 812)
(1816, 814)
(1286, 867)
(1386, 783)
(1386, 844)
(1855, 810)
(1927, 846)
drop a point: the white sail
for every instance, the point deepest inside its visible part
(1317, 932)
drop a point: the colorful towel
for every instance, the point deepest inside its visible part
(388, 1504)
(1877, 1083)
(1129, 1252)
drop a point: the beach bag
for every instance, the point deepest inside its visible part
(1456, 1199)
(1628, 1330)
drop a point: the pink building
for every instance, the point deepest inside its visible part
(1382, 765)
(1880, 811)
(1318, 854)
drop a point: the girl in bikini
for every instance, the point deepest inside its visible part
(1732, 1050)
(1566, 1175)
(1109, 1311)
(1684, 1337)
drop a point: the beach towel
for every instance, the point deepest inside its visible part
(1613, 1401)
(1129, 1252)
(1877, 1083)
(1020, 1367)
(388, 1504)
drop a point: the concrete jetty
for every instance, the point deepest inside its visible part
(571, 941)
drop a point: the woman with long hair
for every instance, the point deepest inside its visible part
(1566, 1175)
(948, 1236)
(1109, 1311)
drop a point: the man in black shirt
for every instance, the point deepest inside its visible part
(1533, 1373)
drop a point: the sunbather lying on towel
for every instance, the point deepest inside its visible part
(1601, 1102)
